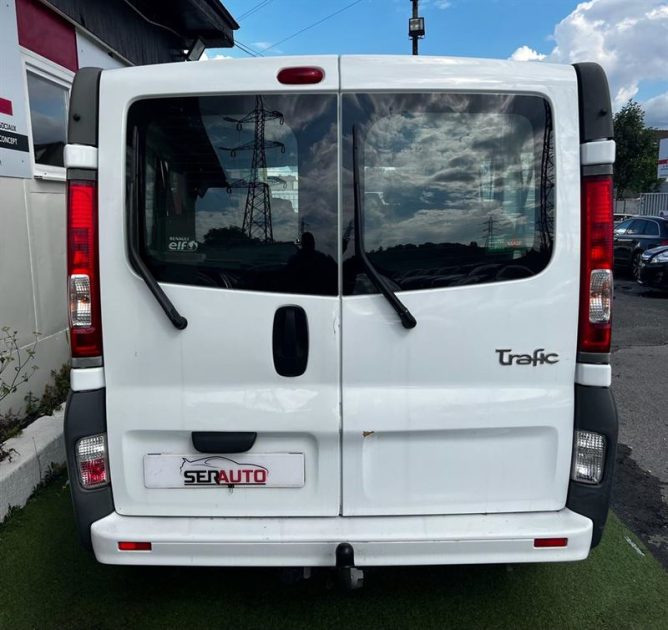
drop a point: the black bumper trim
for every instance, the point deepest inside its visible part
(595, 410)
(85, 415)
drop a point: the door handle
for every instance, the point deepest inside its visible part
(223, 441)
(290, 341)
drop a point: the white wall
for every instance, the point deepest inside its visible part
(32, 229)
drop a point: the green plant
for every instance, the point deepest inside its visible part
(55, 394)
(16, 365)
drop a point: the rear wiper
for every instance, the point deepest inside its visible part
(178, 321)
(378, 281)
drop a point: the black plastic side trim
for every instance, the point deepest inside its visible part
(82, 174)
(597, 169)
(86, 362)
(596, 358)
(223, 441)
(595, 410)
(85, 415)
(594, 97)
(84, 100)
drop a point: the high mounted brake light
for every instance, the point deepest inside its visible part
(83, 270)
(596, 264)
(301, 75)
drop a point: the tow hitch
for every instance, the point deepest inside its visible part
(350, 577)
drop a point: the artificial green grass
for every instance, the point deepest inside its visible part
(48, 581)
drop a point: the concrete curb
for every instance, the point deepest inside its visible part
(39, 447)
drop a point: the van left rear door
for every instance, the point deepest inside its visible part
(230, 179)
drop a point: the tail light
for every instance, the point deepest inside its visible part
(83, 270)
(92, 461)
(588, 457)
(596, 265)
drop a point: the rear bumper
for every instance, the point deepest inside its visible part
(654, 276)
(377, 541)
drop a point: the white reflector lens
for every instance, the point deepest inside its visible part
(92, 461)
(588, 457)
(80, 303)
(600, 296)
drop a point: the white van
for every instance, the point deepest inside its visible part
(340, 311)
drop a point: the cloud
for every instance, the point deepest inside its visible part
(628, 38)
(208, 56)
(656, 111)
(524, 53)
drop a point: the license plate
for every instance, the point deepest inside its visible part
(259, 470)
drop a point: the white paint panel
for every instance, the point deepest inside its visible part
(599, 152)
(377, 541)
(84, 379)
(432, 423)
(80, 156)
(593, 375)
(218, 373)
(93, 54)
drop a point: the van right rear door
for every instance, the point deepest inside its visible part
(468, 178)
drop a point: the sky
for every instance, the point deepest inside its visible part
(629, 38)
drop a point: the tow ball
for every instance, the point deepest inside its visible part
(350, 577)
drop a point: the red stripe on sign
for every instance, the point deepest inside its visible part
(6, 107)
(46, 33)
(660, 161)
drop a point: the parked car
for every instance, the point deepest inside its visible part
(635, 236)
(618, 217)
(653, 270)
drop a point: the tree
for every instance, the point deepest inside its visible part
(637, 151)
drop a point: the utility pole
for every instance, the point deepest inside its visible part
(257, 213)
(415, 27)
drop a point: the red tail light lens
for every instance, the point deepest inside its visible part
(83, 270)
(301, 75)
(550, 542)
(126, 545)
(596, 265)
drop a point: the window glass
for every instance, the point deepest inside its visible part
(621, 228)
(48, 116)
(651, 229)
(457, 188)
(636, 228)
(238, 192)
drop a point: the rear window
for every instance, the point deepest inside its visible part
(457, 189)
(237, 192)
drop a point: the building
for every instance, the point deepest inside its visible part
(42, 45)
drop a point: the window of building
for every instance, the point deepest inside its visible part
(48, 91)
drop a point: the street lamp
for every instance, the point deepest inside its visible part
(415, 27)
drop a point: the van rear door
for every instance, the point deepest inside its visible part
(468, 176)
(229, 179)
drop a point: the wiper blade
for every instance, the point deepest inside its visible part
(178, 321)
(406, 317)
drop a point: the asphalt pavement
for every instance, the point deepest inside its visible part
(640, 386)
